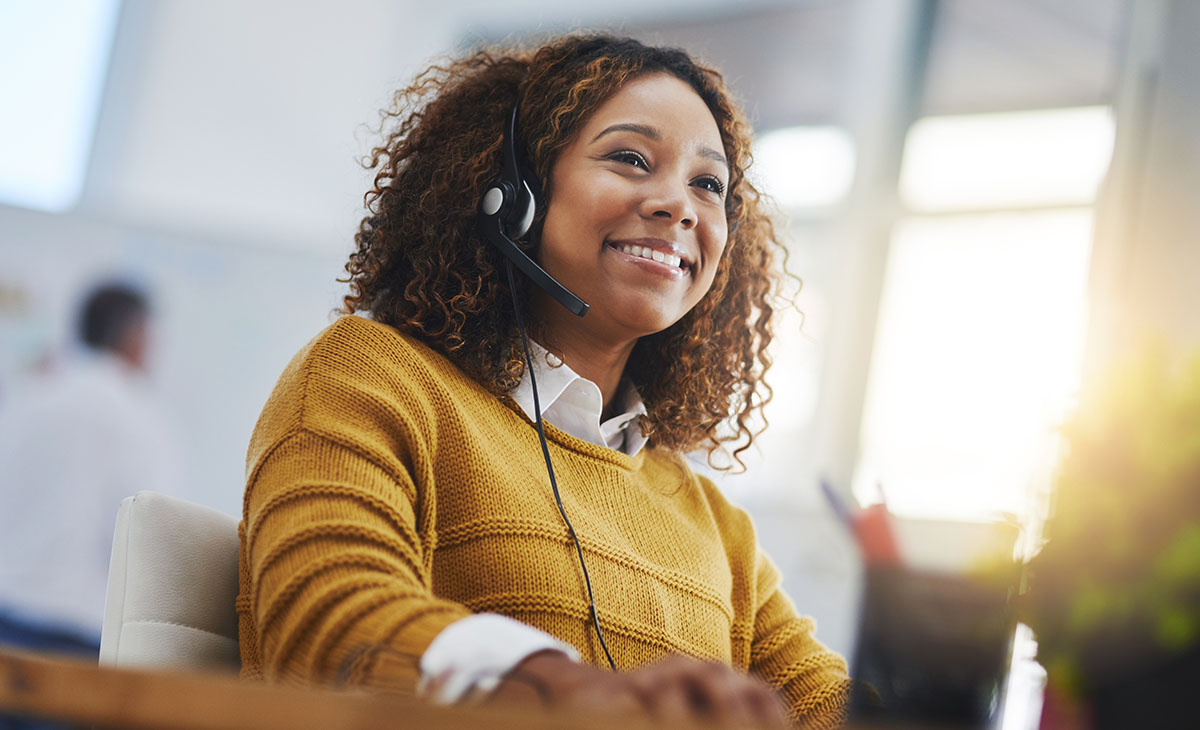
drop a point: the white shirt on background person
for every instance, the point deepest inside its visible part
(74, 442)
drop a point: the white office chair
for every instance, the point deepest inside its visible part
(172, 582)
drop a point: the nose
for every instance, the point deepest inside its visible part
(669, 202)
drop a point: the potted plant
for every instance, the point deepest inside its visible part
(1114, 596)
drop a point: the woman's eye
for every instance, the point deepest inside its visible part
(711, 184)
(629, 157)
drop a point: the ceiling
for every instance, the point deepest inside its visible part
(791, 60)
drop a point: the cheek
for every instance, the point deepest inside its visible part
(714, 284)
(578, 208)
(716, 240)
(715, 252)
(602, 200)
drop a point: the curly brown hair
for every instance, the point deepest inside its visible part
(421, 267)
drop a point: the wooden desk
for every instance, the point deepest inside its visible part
(107, 697)
(80, 692)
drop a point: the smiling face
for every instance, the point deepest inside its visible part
(636, 224)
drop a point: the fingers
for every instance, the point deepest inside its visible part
(675, 691)
(562, 683)
(609, 694)
(680, 690)
(767, 706)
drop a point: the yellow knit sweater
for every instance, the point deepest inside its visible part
(389, 495)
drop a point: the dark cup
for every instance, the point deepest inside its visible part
(933, 648)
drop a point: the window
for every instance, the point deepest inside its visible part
(53, 63)
(979, 339)
(804, 168)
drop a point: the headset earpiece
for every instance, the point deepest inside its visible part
(523, 212)
(493, 199)
(506, 213)
(509, 198)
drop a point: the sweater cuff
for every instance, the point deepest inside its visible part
(474, 653)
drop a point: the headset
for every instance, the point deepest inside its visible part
(506, 212)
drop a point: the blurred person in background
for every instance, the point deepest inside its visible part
(74, 442)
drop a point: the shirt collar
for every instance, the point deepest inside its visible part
(574, 404)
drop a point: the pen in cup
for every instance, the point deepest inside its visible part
(871, 527)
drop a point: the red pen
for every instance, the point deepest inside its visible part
(876, 538)
(872, 527)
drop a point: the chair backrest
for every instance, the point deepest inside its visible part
(172, 583)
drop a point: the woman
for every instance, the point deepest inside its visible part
(400, 521)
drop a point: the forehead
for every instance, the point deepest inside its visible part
(662, 101)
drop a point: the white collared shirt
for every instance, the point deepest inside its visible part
(474, 653)
(574, 404)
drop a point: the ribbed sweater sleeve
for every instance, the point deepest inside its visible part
(336, 571)
(812, 680)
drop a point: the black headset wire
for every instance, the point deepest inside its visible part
(537, 413)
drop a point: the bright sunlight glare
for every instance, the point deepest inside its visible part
(977, 357)
(804, 167)
(1010, 160)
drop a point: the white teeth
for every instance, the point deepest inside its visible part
(646, 252)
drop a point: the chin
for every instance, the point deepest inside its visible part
(650, 322)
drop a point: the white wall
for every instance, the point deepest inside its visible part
(239, 120)
(1146, 276)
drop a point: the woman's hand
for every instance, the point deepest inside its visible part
(675, 690)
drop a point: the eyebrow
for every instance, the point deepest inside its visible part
(650, 132)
